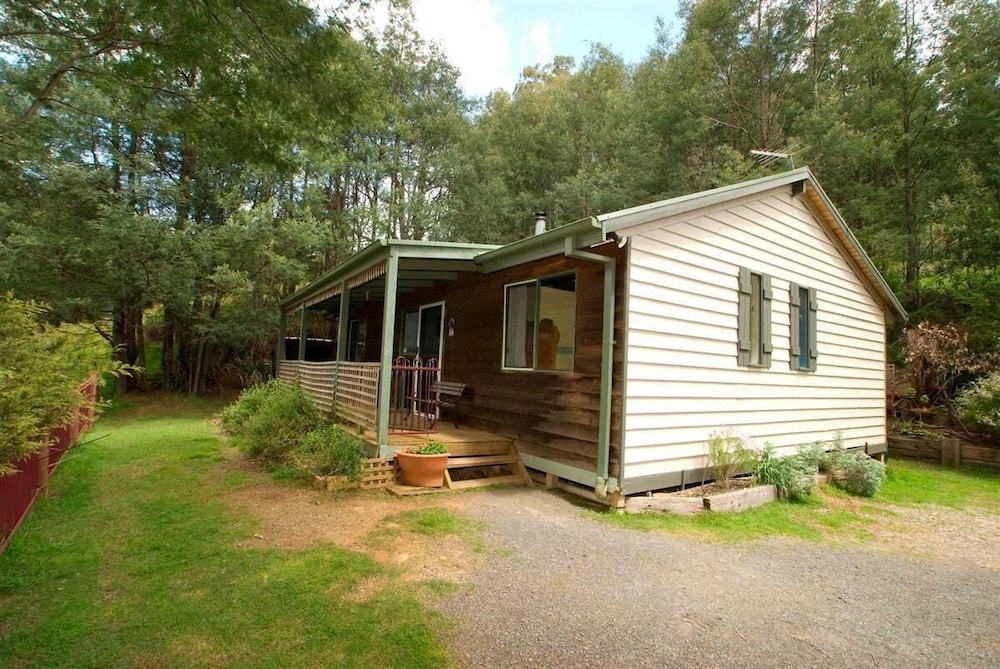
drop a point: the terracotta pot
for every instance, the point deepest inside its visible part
(422, 470)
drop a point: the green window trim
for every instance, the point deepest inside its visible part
(803, 350)
(754, 345)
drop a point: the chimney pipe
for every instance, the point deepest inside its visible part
(539, 222)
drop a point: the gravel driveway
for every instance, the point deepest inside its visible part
(571, 591)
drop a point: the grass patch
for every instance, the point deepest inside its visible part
(920, 483)
(134, 561)
(812, 520)
(432, 522)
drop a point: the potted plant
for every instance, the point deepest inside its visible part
(423, 465)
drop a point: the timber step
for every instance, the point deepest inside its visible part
(509, 459)
(470, 456)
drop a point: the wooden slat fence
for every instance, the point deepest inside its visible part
(347, 390)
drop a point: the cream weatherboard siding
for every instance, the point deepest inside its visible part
(682, 378)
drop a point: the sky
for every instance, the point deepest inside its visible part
(491, 41)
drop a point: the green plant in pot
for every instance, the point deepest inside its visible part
(423, 465)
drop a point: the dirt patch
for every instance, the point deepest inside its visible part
(965, 536)
(927, 531)
(296, 518)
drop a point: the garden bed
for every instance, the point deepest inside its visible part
(710, 497)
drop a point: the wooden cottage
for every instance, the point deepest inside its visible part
(606, 351)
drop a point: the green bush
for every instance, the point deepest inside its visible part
(794, 477)
(235, 416)
(979, 403)
(814, 454)
(863, 475)
(280, 422)
(41, 369)
(330, 451)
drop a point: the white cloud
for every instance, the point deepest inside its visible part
(535, 47)
(470, 34)
(472, 38)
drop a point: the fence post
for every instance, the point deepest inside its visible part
(43, 471)
(951, 452)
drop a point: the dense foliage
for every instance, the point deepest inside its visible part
(41, 371)
(793, 476)
(279, 426)
(174, 169)
(862, 475)
(979, 404)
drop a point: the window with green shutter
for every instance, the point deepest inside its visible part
(754, 320)
(803, 306)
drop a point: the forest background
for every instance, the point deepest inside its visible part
(170, 170)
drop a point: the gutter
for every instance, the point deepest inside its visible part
(607, 361)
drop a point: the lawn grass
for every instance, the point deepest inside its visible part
(921, 483)
(832, 513)
(134, 560)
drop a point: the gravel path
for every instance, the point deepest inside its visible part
(571, 591)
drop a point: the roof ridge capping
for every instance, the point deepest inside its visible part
(816, 198)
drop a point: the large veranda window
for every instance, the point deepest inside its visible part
(540, 324)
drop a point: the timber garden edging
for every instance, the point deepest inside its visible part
(723, 501)
(375, 473)
(947, 451)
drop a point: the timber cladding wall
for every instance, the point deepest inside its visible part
(683, 377)
(549, 414)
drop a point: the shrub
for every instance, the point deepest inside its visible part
(235, 416)
(281, 421)
(794, 477)
(863, 475)
(979, 403)
(330, 451)
(41, 369)
(728, 456)
(814, 454)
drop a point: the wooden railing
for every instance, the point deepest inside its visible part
(347, 390)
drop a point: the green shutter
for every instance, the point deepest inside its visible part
(766, 295)
(743, 319)
(793, 322)
(813, 348)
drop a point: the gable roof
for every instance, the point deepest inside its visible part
(817, 200)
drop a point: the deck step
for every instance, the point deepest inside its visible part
(476, 454)
(509, 479)
(469, 448)
(481, 460)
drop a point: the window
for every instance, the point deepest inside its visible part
(803, 351)
(754, 319)
(540, 324)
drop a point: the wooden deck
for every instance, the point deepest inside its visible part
(459, 441)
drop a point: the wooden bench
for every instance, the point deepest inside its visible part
(447, 394)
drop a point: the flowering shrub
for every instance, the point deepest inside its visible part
(729, 454)
(979, 403)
